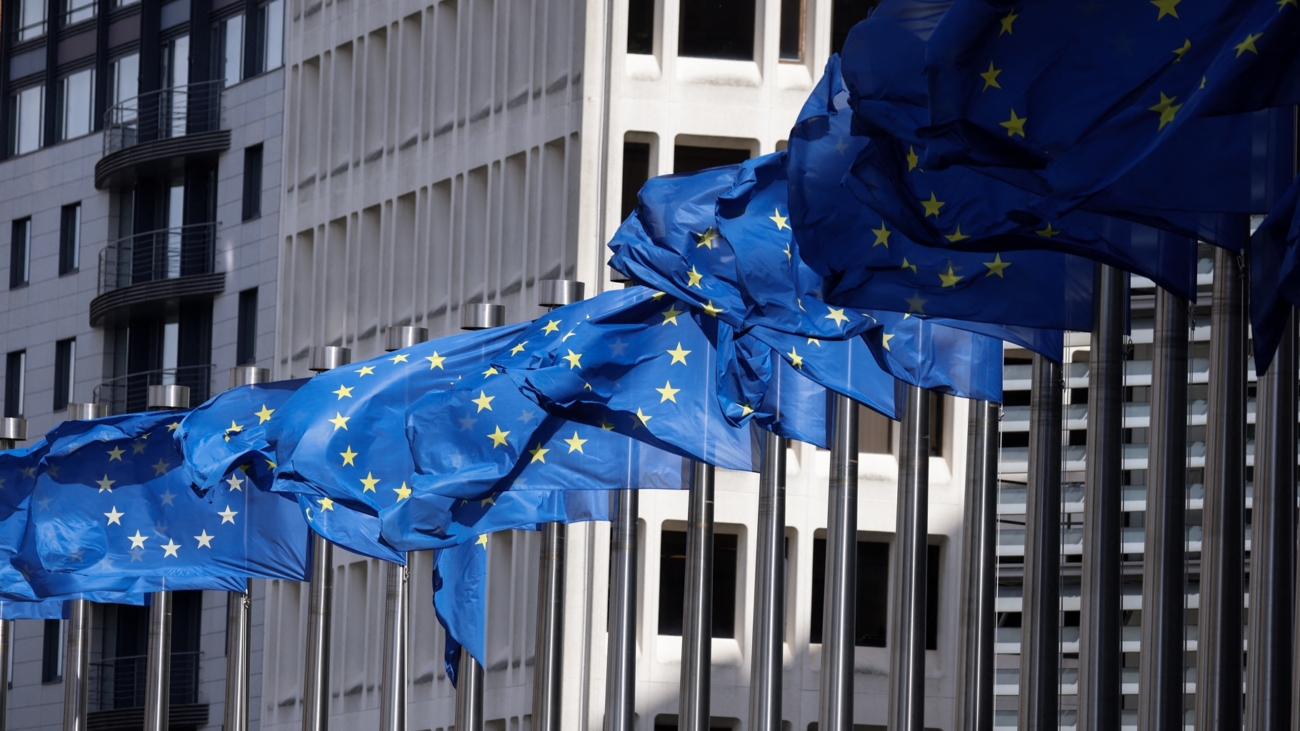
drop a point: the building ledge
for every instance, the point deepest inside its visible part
(126, 165)
(117, 305)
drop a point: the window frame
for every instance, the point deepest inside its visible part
(246, 328)
(254, 161)
(67, 95)
(20, 253)
(65, 372)
(70, 239)
(15, 388)
(16, 106)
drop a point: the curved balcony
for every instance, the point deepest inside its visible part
(130, 393)
(161, 130)
(142, 269)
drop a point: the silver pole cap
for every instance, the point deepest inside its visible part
(618, 277)
(13, 428)
(83, 412)
(329, 357)
(167, 397)
(404, 336)
(481, 317)
(248, 375)
(559, 292)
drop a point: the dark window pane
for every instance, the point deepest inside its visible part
(818, 590)
(937, 403)
(874, 431)
(724, 584)
(252, 182)
(688, 159)
(51, 668)
(636, 170)
(672, 581)
(15, 382)
(641, 26)
(870, 620)
(20, 252)
(70, 239)
(844, 15)
(246, 343)
(65, 355)
(932, 598)
(791, 30)
(717, 29)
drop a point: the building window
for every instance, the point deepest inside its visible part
(20, 253)
(31, 19)
(688, 158)
(246, 341)
(79, 10)
(875, 432)
(76, 94)
(937, 412)
(844, 15)
(717, 29)
(871, 612)
(124, 3)
(15, 382)
(52, 652)
(26, 120)
(70, 239)
(123, 79)
(65, 372)
(229, 50)
(792, 30)
(636, 170)
(641, 26)
(672, 583)
(271, 46)
(252, 182)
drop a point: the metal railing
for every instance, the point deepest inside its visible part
(118, 683)
(130, 393)
(153, 255)
(156, 115)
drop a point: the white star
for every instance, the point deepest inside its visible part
(466, 423)
(235, 483)
(137, 554)
(106, 564)
(114, 517)
(159, 528)
(137, 540)
(205, 540)
(44, 503)
(168, 497)
(527, 416)
(618, 346)
(171, 547)
(228, 516)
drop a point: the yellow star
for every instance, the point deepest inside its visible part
(173, 426)
(435, 360)
(913, 159)
(1187, 46)
(695, 278)
(339, 421)
(885, 338)
(399, 358)
(956, 236)
(539, 454)
(796, 360)
(837, 314)
(1015, 125)
(160, 467)
(483, 401)
(1048, 232)
(605, 425)
(916, 304)
(786, 251)
(1283, 3)
(991, 78)
(932, 206)
(348, 456)
(498, 437)
(343, 392)
(906, 265)
(137, 447)
(575, 360)
(814, 341)
(1006, 23)
(710, 310)
(1248, 44)
(997, 265)
(403, 492)
(114, 518)
(1167, 7)
(369, 482)
(1166, 108)
(551, 326)
(746, 410)
(264, 415)
(645, 418)
(326, 504)
(575, 444)
(706, 239)
(482, 541)
(882, 235)
(366, 371)
(679, 355)
(518, 348)
(667, 393)
(105, 484)
(116, 454)
(489, 500)
(951, 278)
(670, 315)
(779, 220)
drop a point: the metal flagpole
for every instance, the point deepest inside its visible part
(769, 595)
(1160, 686)
(1101, 615)
(76, 665)
(13, 429)
(158, 677)
(907, 595)
(977, 633)
(549, 656)
(835, 712)
(239, 610)
(1218, 644)
(469, 690)
(697, 622)
(1040, 634)
(1272, 545)
(320, 592)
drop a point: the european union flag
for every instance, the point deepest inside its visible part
(460, 578)
(1264, 69)
(1274, 275)
(950, 360)
(340, 440)
(112, 512)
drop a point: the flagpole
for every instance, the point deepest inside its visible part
(907, 593)
(697, 625)
(769, 595)
(469, 690)
(1272, 545)
(1040, 638)
(239, 609)
(1160, 671)
(158, 672)
(1218, 645)
(835, 711)
(1101, 612)
(977, 633)
(320, 592)
(13, 429)
(76, 665)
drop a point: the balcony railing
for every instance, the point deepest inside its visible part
(118, 683)
(161, 114)
(153, 255)
(130, 393)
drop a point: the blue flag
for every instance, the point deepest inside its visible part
(1264, 69)
(1274, 276)
(460, 578)
(340, 440)
(112, 512)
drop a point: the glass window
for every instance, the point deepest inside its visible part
(672, 583)
(717, 29)
(20, 252)
(636, 170)
(15, 382)
(230, 49)
(31, 19)
(70, 239)
(26, 120)
(76, 97)
(791, 30)
(871, 610)
(65, 372)
(272, 35)
(246, 340)
(123, 78)
(252, 182)
(641, 26)
(688, 158)
(52, 652)
(124, 3)
(79, 10)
